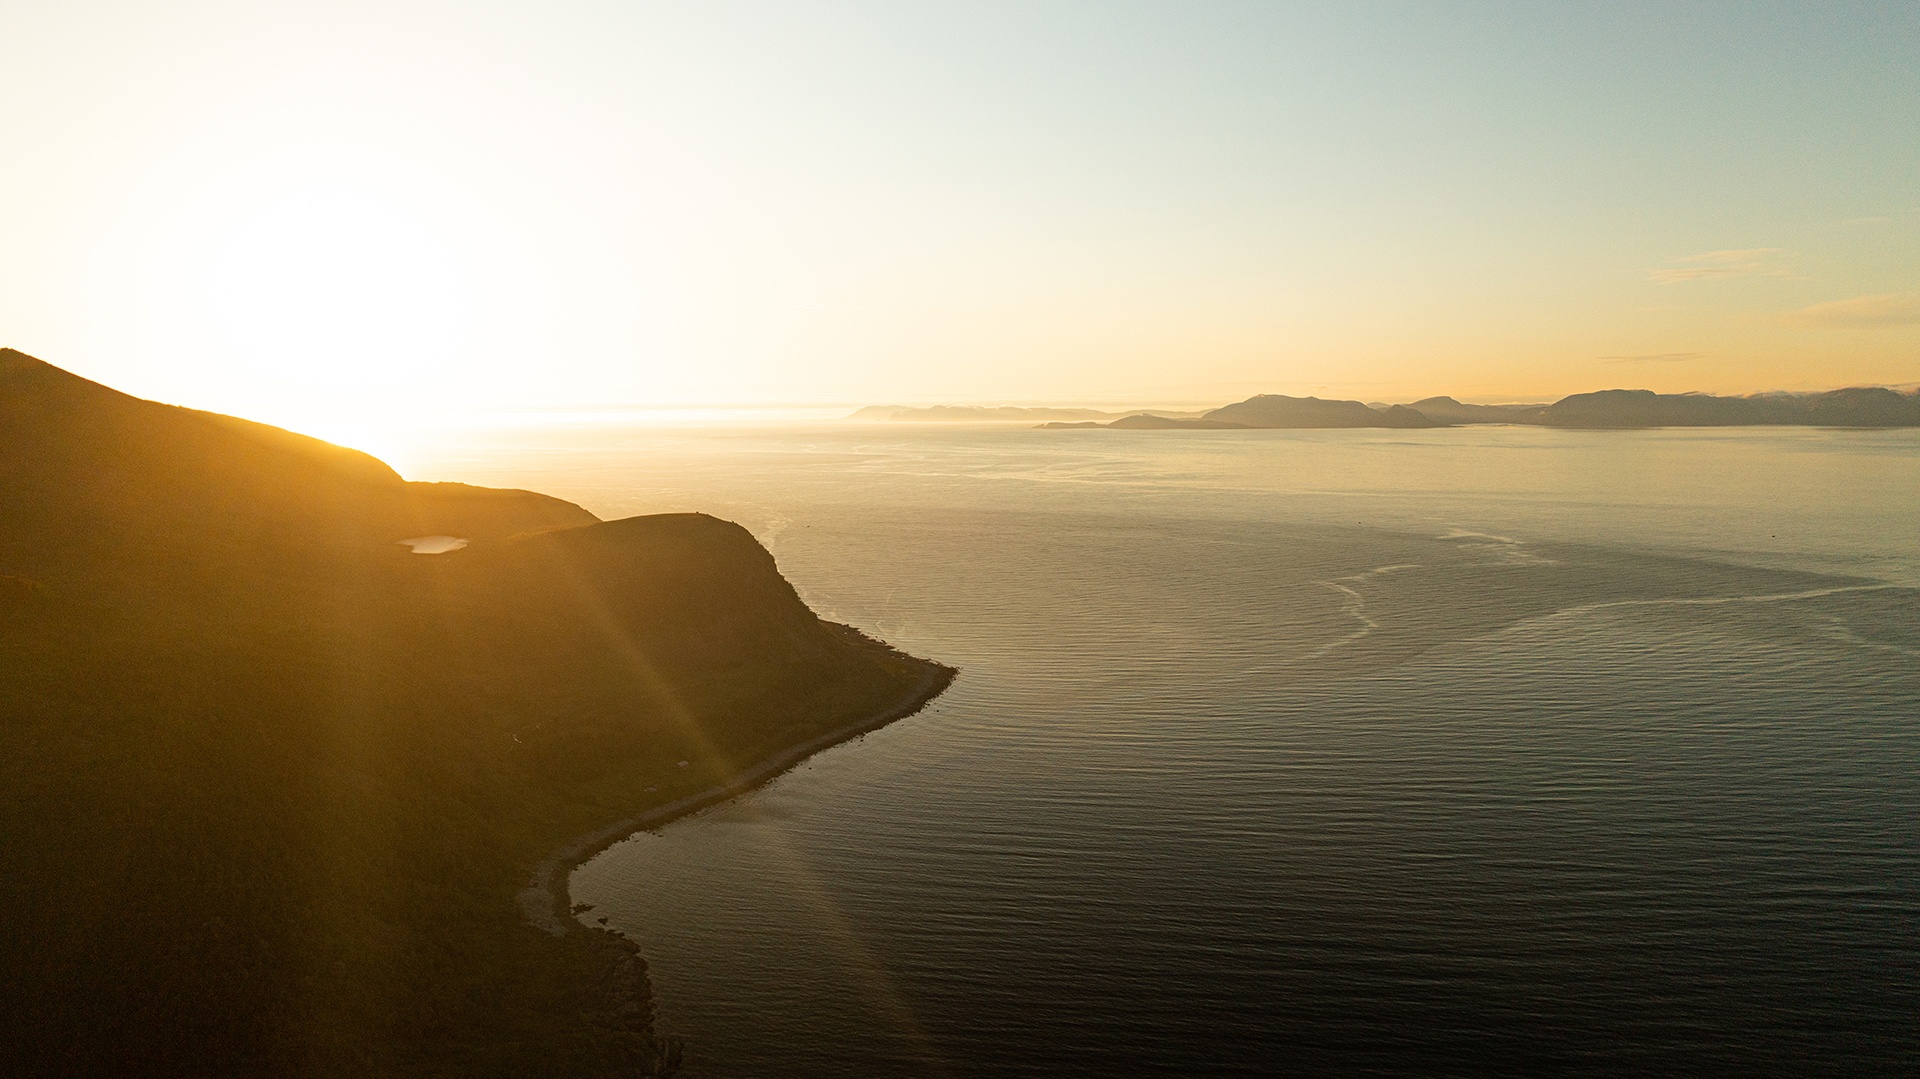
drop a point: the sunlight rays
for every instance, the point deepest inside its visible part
(340, 290)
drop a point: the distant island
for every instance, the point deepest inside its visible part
(1146, 421)
(1862, 406)
(1000, 413)
(276, 786)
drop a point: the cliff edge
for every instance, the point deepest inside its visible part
(275, 780)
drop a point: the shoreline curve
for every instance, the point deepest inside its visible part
(545, 903)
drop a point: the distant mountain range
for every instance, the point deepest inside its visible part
(1276, 410)
(1860, 406)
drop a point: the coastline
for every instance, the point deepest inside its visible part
(545, 903)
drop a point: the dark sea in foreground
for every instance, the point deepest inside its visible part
(1321, 752)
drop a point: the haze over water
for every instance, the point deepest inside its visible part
(1548, 751)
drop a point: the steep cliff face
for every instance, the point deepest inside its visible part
(273, 781)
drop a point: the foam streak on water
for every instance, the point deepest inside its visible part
(1313, 753)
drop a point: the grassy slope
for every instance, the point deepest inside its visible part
(272, 782)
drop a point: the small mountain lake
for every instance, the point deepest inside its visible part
(433, 544)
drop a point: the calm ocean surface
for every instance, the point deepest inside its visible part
(1329, 752)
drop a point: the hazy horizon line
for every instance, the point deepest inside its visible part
(1104, 403)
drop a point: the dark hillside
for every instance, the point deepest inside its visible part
(96, 481)
(272, 782)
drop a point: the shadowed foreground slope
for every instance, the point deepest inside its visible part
(271, 782)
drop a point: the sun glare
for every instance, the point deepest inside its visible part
(335, 288)
(321, 287)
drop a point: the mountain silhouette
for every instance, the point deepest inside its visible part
(1853, 407)
(1278, 411)
(274, 781)
(1448, 410)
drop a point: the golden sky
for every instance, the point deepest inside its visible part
(293, 210)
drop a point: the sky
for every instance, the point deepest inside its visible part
(293, 211)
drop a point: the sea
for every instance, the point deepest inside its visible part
(1472, 751)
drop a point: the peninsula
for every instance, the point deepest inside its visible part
(275, 782)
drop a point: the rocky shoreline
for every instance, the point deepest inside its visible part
(612, 961)
(545, 902)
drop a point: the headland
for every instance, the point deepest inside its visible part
(278, 779)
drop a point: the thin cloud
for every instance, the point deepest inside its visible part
(1885, 309)
(1753, 262)
(1654, 357)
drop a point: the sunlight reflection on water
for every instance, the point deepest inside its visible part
(1308, 751)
